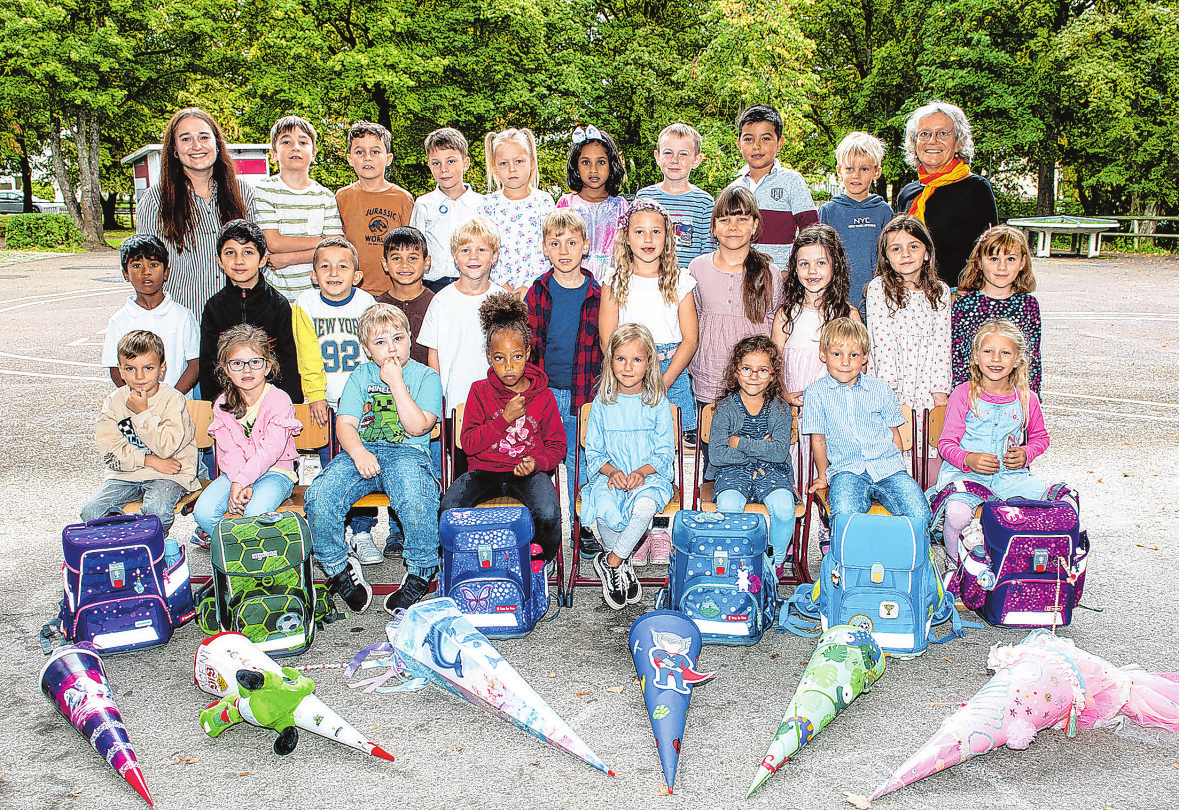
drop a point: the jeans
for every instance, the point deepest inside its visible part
(680, 393)
(159, 496)
(269, 491)
(780, 505)
(564, 399)
(407, 480)
(438, 285)
(899, 494)
(535, 491)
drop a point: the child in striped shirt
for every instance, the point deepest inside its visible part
(294, 211)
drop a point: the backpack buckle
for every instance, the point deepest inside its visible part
(486, 555)
(877, 574)
(118, 574)
(1040, 560)
(720, 562)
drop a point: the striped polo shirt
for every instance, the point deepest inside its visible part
(786, 207)
(857, 420)
(306, 212)
(691, 219)
(193, 274)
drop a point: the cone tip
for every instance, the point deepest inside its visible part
(134, 777)
(378, 751)
(610, 772)
(670, 790)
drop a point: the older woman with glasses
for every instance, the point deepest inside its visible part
(956, 205)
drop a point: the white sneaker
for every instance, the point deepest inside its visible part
(366, 550)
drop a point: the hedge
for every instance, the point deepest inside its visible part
(41, 231)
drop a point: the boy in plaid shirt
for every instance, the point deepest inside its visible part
(563, 315)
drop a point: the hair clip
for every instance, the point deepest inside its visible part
(643, 204)
(590, 133)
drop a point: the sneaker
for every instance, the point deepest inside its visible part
(642, 552)
(689, 439)
(350, 586)
(590, 546)
(366, 550)
(660, 540)
(630, 581)
(200, 539)
(824, 540)
(394, 544)
(413, 590)
(613, 583)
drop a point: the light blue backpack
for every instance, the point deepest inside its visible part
(879, 576)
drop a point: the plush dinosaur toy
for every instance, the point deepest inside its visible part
(264, 699)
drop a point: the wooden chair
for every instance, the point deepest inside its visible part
(702, 495)
(674, 505)
(201, 412)
(926, 469)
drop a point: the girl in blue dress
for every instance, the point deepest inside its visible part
(630, 454)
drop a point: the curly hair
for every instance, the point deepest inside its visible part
(757, 283)
(504, 311)
(833, 300)
(776, 390)
(1005, 239)
(624, 256)
(617, 171)
(230, 341)
(1019, 376)
(653, 388)
(896, 296)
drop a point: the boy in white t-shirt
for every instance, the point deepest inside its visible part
(451, 328)
(294, 211)
(452, 201)
(145, 264)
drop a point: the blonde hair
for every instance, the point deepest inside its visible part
(562, 220)
(472, 229)
(378, 318)
(680, 131)
(653, 390)
(230, 341)
(1018, 378)
(494, 140)
(860, 143)
(843, 332)
(999, 238)
(624, 256)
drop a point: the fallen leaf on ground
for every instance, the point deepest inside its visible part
(663, 790)
(773, 656)
(179, 758)
(1152, 548)
(857, 801)
(614, 689)
(244, 773)
(949, 660)
(586, 692)
(637, 680)
(534, 762)
(75, 793)
(458, 748)
(552, 675)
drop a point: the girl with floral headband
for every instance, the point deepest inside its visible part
(595, 175)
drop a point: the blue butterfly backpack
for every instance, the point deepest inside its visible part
(487, 569)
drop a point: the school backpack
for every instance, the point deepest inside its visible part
(879, 576)
(262, 582)
(1029, 569)
(117, 593)
(721, 576)
(487, 569)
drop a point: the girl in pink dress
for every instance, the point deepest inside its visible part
(595, 174)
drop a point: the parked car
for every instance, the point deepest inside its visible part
(13, 202)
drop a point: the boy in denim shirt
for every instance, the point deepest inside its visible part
(853, 421)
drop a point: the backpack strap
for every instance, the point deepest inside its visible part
(937, 503)
(1060, 491)
(947, 611)
(804, 603)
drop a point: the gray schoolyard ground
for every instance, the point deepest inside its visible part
(1111, 349)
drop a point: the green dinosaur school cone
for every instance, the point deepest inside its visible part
(846, 663)
(666, 645)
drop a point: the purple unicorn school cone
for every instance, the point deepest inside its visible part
(74, 680)
(434, 641)
(666, 645)
(216, 663)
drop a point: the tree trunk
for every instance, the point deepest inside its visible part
(1046, 189)
(86, 137)
(26, 172)
(109, 203)
(59, 172)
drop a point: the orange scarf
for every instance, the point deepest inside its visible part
(935, 180)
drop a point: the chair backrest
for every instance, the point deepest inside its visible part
(704, 427)
(934, 424)
(312, 436)
(201, 412)
(907, 428)
(458, 424)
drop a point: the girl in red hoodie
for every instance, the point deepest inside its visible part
(512, 430)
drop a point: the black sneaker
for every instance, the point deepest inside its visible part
(613, 582)
(413, 589)
(630, 582)
(589, 545)
(689, 439)
(350, 586)
(394, 544)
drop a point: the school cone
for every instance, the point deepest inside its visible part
(74, 680)
(665, 645)
(219, 657)
(845, 664)
(434, 641)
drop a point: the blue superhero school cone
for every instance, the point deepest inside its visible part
(666, 645)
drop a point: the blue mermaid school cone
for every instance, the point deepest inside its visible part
(665, 645)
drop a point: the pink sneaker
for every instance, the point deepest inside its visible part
(660, 541)
(642, 552)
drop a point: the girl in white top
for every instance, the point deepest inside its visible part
(909, 317)
(516, 208)
(647, 287)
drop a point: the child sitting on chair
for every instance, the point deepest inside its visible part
(853, 422)
(512, 432)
